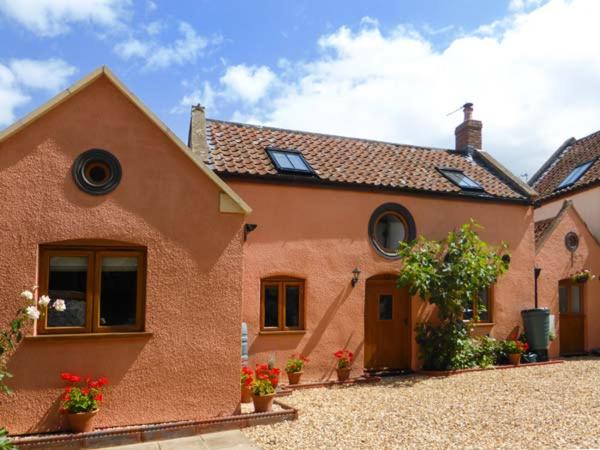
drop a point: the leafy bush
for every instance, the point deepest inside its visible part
(5, 444)
(450, 274)
(262, 387)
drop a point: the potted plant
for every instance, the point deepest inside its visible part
(582, 276)
(81, 404)
(263, 393)
(295, 367)
(344, 361)
(514, 350)
(246, 380)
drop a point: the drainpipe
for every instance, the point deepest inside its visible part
(536, 272)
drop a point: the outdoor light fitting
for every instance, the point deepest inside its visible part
(355, 275)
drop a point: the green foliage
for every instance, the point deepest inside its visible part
(450, 274)
(8, 342)
(262, 387)
(79, 400)
(5, 443)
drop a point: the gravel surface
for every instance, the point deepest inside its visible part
(554, 406)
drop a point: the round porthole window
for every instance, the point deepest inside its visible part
(389, 225)
(571, 241)
(97, 172)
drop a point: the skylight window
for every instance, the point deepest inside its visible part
(575, 174)
(289, 161)
(461, 180)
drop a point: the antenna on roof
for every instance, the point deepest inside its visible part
(455, 111)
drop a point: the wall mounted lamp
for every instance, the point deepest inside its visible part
(355, 275)
(249, 228)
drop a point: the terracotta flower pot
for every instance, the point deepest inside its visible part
(263, 403)
(246, 394)
(81, 422)
(343, 374)
(514, 358)
(294, 377)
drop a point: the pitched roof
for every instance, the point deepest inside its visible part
(541, 228)
(240, 205)
(241, 149)
(569, 155)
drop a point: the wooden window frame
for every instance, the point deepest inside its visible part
(93, 288)
(490, 310)
(281, 283)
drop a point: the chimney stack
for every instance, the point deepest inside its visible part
(468, 133)
(197, 136)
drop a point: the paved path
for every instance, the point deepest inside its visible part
(223, 440)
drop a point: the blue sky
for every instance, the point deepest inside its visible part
(378, 69)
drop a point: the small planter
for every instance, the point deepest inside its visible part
(81, 422)
(343, 374)
(581, 280)
(263, 403)
(294, 377)
(514, 358)
(246, 394)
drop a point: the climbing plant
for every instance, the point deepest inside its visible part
(450, 274)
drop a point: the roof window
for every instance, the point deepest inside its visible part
(459, 178)
(575, 174)
(289, 161)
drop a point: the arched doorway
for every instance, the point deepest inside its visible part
(387, 324)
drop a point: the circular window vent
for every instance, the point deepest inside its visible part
(97, 172)
(571, 241)
(390, 224)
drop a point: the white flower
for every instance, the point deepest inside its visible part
(32, 312)
(59, 305)
(44, 300)
(27, 295)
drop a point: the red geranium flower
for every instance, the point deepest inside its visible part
(66, 376)
(98, 397)
(102, 381)
(85, 391)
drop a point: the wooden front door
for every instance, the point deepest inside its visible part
(387, 325)
(570, 303)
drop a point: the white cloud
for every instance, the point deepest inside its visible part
(533, 79)
(248, 83)
(53, 17)
(205, 96)
(22, 76)
(50, 75)
(156, 55)
(132, 48)
(521, 5)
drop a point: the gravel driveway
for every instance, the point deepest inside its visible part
(554, 406)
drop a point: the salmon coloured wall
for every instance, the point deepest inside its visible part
(557, 263)
(193, 287)
(320, 234)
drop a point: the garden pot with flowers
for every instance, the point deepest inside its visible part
(582, 276)
(344, 362)
(246, 383)
(263, 391)
(295, 367)
(514, 351)
(81, 401)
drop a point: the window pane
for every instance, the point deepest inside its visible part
(282, 160)
(271, 306)
(562, 299)
(292, 306)
(67, 279)
(118, 290)
(575, 300)
(389, 231)
(297, 162)
(385, 307)
(483, 309)
(468, 314)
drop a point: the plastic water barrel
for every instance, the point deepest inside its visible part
(537, 328)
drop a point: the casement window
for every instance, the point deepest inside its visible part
(282, 304)
(480, 310)
(103, 289)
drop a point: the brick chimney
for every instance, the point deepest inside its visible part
(468, 133)
(197, 135)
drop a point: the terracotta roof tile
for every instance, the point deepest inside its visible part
(560, 166)
(541, 227)
(241, 149)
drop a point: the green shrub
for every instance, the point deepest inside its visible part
(5, 444)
